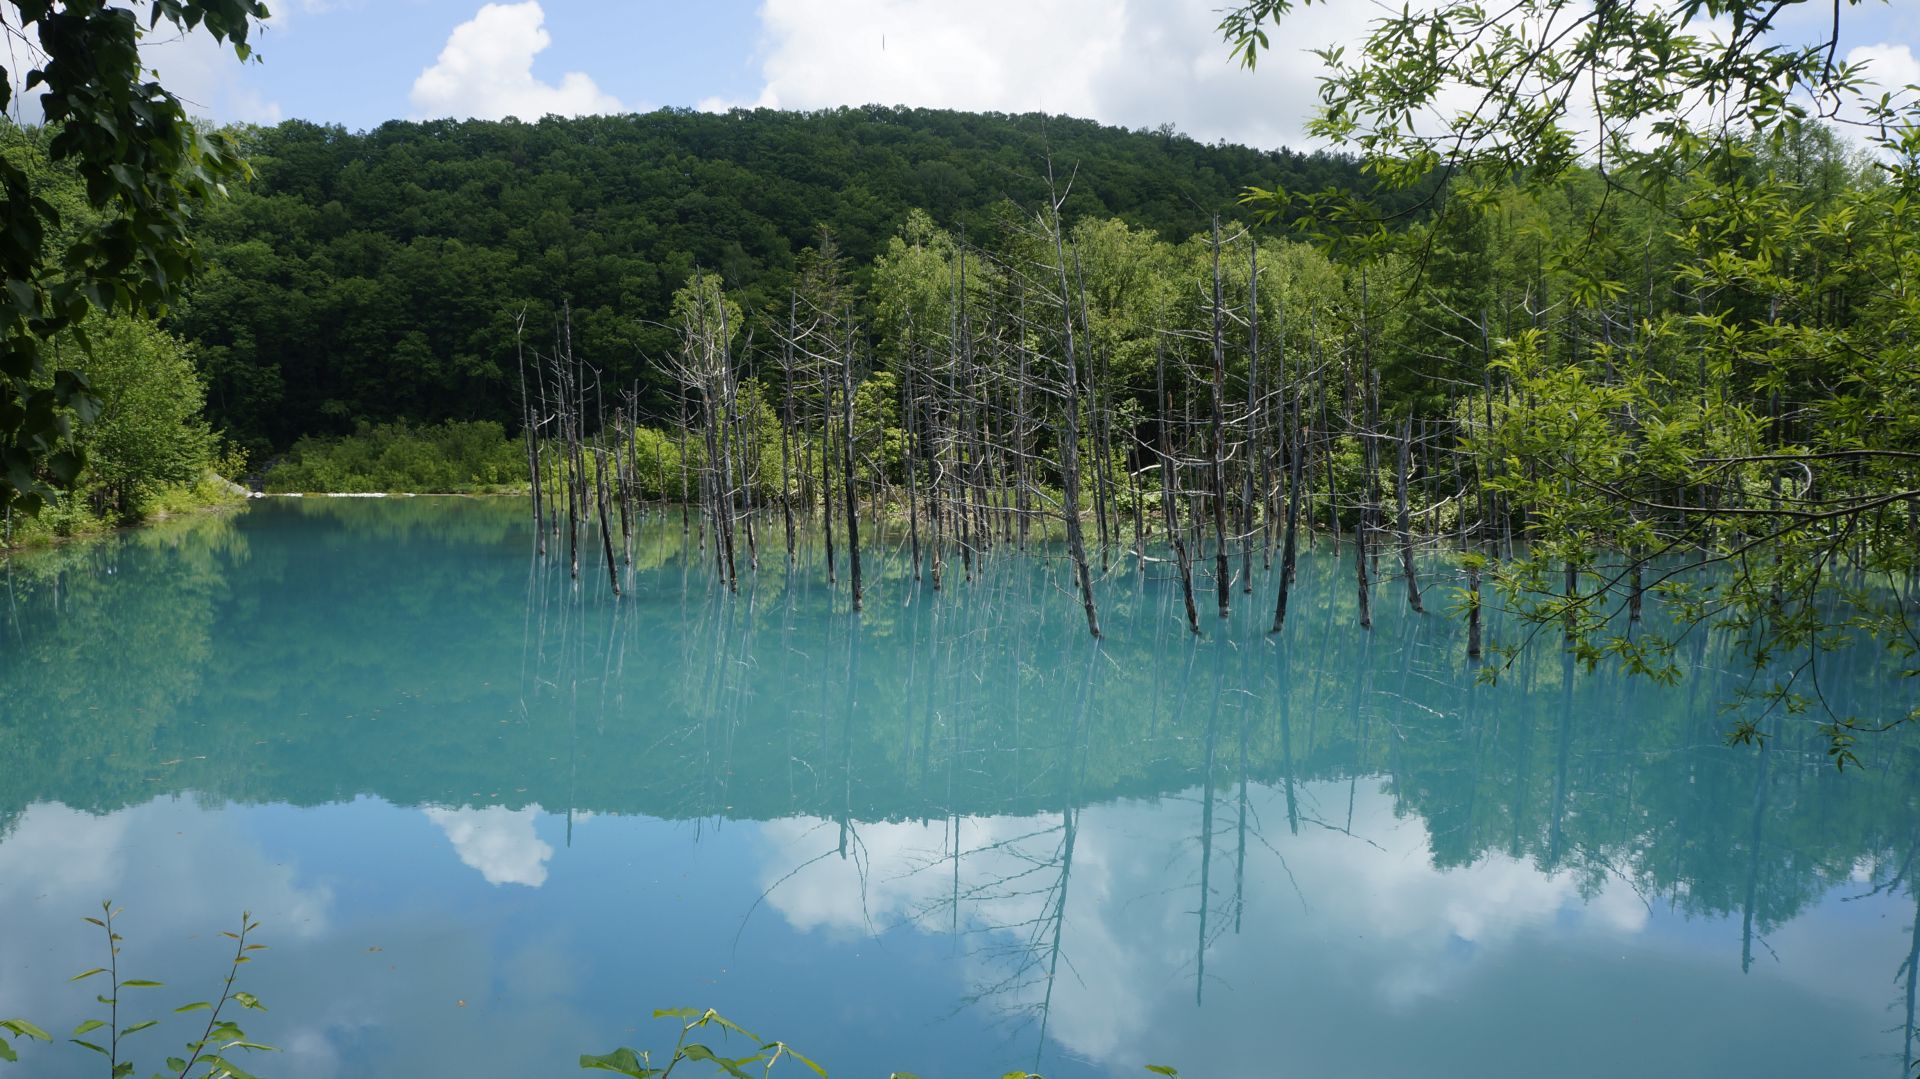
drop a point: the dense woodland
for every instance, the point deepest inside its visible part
(1003, 329)
(1646, 393)
(1570, 389)
(376, 276)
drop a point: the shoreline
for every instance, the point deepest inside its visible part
(228, 502)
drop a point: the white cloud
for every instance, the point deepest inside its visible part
(208, 78)
(344, 976)
(1414, 933)
(499, 842)
(486, 71)
(180, 871)
(1135, 63)
(1890, 66)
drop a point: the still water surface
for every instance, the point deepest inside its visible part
(490, 821)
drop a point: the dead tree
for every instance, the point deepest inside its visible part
(1216, 462)
(1406, 525)
(1069, 366)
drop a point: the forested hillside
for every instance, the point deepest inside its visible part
(376, 276)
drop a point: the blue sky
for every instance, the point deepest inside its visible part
(355, 61)
(1138, 63)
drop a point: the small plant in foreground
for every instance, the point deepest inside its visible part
(206, 1056)
(639, 1063)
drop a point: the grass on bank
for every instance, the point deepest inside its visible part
(148, 452)
(77, 517)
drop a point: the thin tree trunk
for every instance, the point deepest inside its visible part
(853, 499)
(1288, 549)
(1247, 506)
(1070, 441)
(1217, 450)
(1406, 522)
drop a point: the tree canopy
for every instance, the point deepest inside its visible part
(376, 276)
(144, 169)
(1756, 402)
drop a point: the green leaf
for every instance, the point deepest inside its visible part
(91, 1024)
(87, 973)
(141, 983)
(795, 1054)
(227, 1068)
(623, 1061)
(25, 1029)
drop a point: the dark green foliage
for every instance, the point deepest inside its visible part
(376, 276)
(145, 445)
(143, 169)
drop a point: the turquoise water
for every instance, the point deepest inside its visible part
(490, 820)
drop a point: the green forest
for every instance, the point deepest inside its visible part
(370, 282)
(1565, 368)
(1537, 459)
(961, 316)
(372, 277)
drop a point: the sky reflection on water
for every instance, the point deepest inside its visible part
(490, 822)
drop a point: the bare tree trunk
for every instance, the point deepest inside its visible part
(1288, 550)
(1326, 433)
(685, 527)
(1022, 496)
(1093, 409)
(1170, 497)
(1636, 588)
(1360, 571)
(1406, 523)
(530, 432)
(625, 484)
(1473, 609)
(786, 426)
(853, 499)
(911, 450)
(1217, 449)
(606, 533)
(1247, 507)
(1070, 437)
(743, 439)
(826, 468)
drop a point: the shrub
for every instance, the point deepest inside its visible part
(446, 458)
